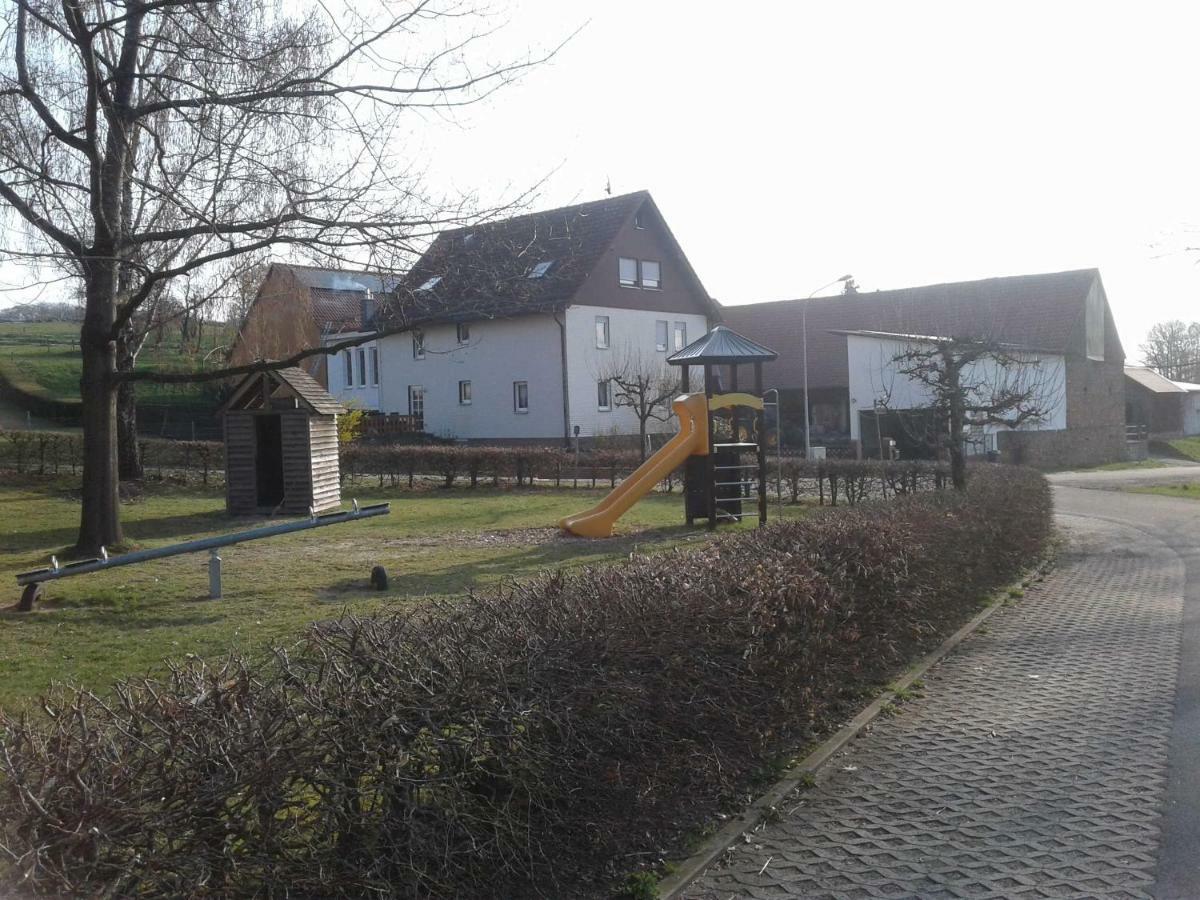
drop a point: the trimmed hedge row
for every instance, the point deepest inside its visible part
(56, 452)
(518, 742)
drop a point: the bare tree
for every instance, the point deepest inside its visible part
(645, 385)
(1173, 350)
(149, 144)
(973, 382)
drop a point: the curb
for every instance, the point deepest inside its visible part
(670, 887)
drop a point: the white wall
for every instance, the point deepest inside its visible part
(500, 352)
(873, 376)
(632, 335)
(353, 393)
(1191, 412)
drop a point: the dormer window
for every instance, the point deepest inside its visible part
(540, 270)
(430, 284)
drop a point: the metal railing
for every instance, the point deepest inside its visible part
(32, 581)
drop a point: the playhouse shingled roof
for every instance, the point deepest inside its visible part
(306, 388)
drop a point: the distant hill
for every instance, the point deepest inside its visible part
(40, 368)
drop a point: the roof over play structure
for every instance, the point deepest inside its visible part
(291, 383)
(722, 346)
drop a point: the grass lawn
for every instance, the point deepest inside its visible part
(95, 628)
(1189, 491)
(43, 358)
(1121, 466)
(1188, 447)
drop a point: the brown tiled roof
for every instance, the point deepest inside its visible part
(1044, 311)
(483, 271)
(336, 310)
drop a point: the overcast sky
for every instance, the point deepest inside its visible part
(789, 143)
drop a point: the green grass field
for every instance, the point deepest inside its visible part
(1188, 447)
(1188, 491)
(94, 628)
(43, 358)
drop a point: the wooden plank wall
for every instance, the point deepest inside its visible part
(326, 478)
(241, 481)
(297, 473)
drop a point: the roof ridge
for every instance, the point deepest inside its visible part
(618, 198)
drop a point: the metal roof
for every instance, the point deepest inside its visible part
(721, 346)
(1152, 381)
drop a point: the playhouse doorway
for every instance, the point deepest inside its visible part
(268, 459)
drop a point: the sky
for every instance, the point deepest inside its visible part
(790, 143)
(903, 143)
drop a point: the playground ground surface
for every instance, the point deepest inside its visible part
(95, 628)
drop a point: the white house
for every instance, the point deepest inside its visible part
(879, 393)
(518, 325)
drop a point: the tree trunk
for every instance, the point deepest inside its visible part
(958, 464)
(642, 439)
(100, 516)
(129, 453)
(129, 466)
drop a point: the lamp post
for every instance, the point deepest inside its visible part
(804, 345)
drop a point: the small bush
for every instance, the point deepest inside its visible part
(512, 743)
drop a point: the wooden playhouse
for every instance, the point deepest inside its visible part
(281, 445)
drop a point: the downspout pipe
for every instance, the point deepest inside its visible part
(560, 320)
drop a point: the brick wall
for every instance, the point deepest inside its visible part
(1095, 431)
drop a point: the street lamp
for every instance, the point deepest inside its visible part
(804, 343)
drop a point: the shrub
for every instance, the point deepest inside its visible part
(511, 743)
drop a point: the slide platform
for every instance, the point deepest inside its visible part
(691, 439)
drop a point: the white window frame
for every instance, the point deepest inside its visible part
(519, 408)
(416, 400)
(662, 328)
(373, 359)
(362, 367)
(603, 328)
(678, 334)
(624, 282)
(604, 385)
(464, 392)
(418, 339)
(348, 368)
(463, 332)
(657, 286)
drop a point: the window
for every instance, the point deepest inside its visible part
(464, 332)
(628, 269)
(374, 354)
(521, 396)
(418, 345)
(362, 367)
(540, 270)
(430, 284)
(651, 274)
(661, 328)
(603, 396)
(639, 220)
(602, 334)
(464, 393)
(348, 371)
(416, 401)
(680, 335)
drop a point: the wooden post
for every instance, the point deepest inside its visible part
(761, 426)
(683, 380)
(734, 412)
(710, 472)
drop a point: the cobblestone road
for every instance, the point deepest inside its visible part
(1034, 765)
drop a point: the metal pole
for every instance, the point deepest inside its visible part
(804, 344)
(214, 575)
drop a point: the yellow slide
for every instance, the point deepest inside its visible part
(691, 439)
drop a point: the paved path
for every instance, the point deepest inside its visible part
(1053, 755)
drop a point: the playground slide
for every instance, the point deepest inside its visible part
(692, 438)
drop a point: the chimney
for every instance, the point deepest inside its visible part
(368, 311)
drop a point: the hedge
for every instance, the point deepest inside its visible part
(57, 452)
(525, 741)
